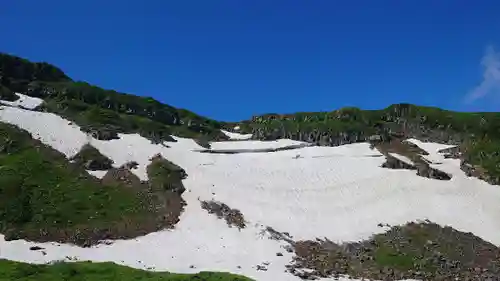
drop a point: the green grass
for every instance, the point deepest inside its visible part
(165, 175)
(6, 94)
(41, 191)
(87, 271)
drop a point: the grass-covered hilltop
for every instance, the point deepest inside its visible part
(118, 167)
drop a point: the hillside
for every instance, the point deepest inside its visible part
(405, 192)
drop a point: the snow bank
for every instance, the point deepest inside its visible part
(23, 101)
(337, 192)
(236, 136)
(254, 144)
(402, 158)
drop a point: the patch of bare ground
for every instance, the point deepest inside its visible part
(233, 217)
(413, 153)
(423, 251)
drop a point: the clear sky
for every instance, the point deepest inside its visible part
(230, 59)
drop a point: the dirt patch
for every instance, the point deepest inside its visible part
(424, 251)
(413, 153)
(233, 217)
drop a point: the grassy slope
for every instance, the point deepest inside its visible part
(86, 271)
(41, 190)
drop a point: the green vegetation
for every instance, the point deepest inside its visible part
(6, 94)
(165, 175)
(477, 133)
(91, 159)
(87, 271)
(45, 198)
(103, 112)
(422, 251)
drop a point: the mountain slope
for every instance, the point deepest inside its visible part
(119, 178)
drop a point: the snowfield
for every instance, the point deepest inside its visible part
(23, 101)
(340, 193)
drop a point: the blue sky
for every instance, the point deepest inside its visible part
(230, 59)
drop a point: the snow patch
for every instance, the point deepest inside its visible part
(97, 174)
(254, 144)
(24, 101)
(236, 136)
(402, 158)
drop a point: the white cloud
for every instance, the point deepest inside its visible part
(490, 84)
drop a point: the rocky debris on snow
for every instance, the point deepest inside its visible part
(424, 251)
(36, 248)
(233, 217)
(106, 132)
(91, 159)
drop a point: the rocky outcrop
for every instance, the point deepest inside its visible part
(91, 159)
(432, 173)
(352, 127)
(395, 163)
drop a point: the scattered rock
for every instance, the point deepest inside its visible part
(233, 217)
(36, 248)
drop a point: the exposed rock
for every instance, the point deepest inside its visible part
(102, 133)
(91, 159)
(413, 153)
(233, 217)
(429, 172)
(395, 163)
